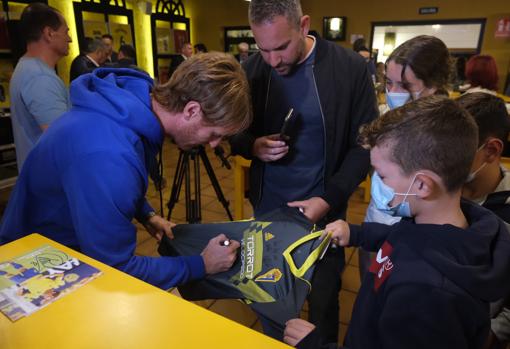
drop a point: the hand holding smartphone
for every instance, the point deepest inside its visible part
(284, 132)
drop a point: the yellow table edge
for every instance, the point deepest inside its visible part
(117, 310)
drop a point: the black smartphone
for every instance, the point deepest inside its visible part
(284, 132)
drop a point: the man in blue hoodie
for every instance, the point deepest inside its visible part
(430, 284)
(86, 179)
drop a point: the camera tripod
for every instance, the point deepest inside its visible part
(182, 173)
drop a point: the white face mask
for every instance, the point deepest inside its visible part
(471, 177)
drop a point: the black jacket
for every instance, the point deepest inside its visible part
(81, 65)
(175, 63)
(432, 285)
(347, 100)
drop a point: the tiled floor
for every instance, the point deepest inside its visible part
(213, 211)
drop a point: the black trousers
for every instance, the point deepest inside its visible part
(323, 303)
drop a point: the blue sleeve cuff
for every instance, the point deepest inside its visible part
(144, 211)
(196, 266)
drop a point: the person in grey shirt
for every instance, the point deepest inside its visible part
(38, 95)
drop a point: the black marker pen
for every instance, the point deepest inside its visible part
(225, 242)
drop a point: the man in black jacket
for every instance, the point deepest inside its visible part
(319, 166)
(93, 56)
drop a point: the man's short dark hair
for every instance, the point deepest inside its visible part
(489, 113)
(264, 11)
(35, 18)
(200, 47)
(128, 51)
(432, 133)
(107, 36)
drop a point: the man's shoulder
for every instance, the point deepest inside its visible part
(329, 50)
(255, 64)
(33, 75)
(33, 66)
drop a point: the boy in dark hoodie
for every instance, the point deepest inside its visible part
(436, 271)
(489, 184)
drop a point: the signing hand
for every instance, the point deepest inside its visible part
(340, 232)
(270, 148)
(314, 208)
(296, 330)
(157, 226)
(218, 258)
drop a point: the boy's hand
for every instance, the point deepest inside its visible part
(296, 330)
(339, 231)
(314, 208)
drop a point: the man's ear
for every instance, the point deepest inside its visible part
(426, 184)
(493, 149)
(191, 110)
(47, 33)
(304, 24)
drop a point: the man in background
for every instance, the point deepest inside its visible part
(38, 95)
(95, 55)
(107, 39)
(186, 52)
(126, 57)
(244, 52)
(200, 48)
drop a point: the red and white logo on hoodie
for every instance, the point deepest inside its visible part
(381, 265)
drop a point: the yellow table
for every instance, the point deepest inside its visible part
(119, 311)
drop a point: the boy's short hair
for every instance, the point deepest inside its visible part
(37, 16)
(489, 113)
(432, 133)
(216, 81)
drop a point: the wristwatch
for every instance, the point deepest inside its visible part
(148, 216)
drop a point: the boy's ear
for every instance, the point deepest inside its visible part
(493, 149)
(191, 110)
(426, 184)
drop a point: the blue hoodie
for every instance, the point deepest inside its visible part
(86, 178)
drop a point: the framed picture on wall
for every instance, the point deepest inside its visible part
(180, 38)
(94, 29)
(164, 43)
(334, 28)
(121, 34)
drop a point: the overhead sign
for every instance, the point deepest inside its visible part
(428, 10)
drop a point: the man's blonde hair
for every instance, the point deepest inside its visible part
(217, 82)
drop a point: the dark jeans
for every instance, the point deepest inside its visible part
(323, 306)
